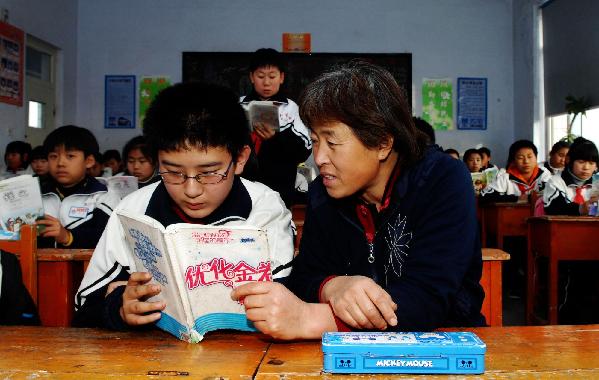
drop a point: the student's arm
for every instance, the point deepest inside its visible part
(87, 235)
(555, 201)
(500, 190)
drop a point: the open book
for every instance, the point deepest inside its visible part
(479, 182)
(197, 267)
(263, 111)
(122, 185)
(20, 203)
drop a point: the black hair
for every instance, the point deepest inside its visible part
(21, 147)
(559, 145)
(195, 114)
(452, 151)
(484, 150)
(138, 142)
(426, 128)
(39, 153)
(516, 146)
(582, 149)
(267, 57)
(72, 138)
(110, 154)
(366, 98)
(470, 152)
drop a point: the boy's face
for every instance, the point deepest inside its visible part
(267, 80)
(474, 163)
(68, 167)
(40, 166)
(485, 159)
(525, 160)
(198, 200)
(14, 161)
(113, 164)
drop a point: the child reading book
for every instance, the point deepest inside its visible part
(390, 236)
(198, 134)
(139, 161)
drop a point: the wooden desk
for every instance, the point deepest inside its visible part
(46, 352)
(556, 238)
(60, 272)
(491, 282)
(503, 219)
(512, 352)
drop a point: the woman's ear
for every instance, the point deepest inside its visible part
(242, 157)
(385, 148)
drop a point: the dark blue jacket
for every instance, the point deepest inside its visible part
(426, 247)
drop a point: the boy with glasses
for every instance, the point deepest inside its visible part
(199, 136)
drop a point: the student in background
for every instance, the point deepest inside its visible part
(199, 134)
(523, 176)
(390, 238)
(278, 153)
(16, 305)
(112, 159)
(473, 160)
(139, 161)
(77, 206)
(16, 159)
(485, 155)
(569, 192)
(557, 157)
(39, 164)
(453, 153)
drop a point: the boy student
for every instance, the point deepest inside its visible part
(76, 205)
(569, 192)
(473, 160)
(390, 237)
(278, 153)
(485, 154)
(522, 177)
(199, 134)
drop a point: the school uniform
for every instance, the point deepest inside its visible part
(551, 169)
(278, 157)
(83, 210)
(509, 185)
(423, 247)
(16, 304)
(248, 203)
(564, 193)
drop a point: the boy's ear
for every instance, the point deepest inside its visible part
(242, 158)
(282, 77)
(89, 161)
(385, 148)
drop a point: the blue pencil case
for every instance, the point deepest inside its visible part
(403, 352)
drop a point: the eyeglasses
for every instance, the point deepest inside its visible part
(177, 178)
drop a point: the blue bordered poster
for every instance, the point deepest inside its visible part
(119, 101)
(472, 103)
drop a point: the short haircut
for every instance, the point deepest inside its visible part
(452, 151)
(72, 138)
(484, 150)
(426, 128)
(582, 149)
(267, 57)
(470, 152)
(366, 98)
(195, 114)
(515, 147)
(39, 153)
(110, 154)
(138, 142)
(559, 145)
(21, 147)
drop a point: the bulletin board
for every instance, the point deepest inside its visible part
(231, 69)
(12, 45)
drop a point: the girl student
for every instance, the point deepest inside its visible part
(557, 157)
(139, 161)
(571, 192)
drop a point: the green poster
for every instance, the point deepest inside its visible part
(149, 87)
(437, 103)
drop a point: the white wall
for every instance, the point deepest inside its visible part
(447, 39)
(54, 22)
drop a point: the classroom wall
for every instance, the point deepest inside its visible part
(54, 22)
(447, 39)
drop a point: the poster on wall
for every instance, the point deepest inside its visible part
(437, 103)
(297, 42)
(12, 44)
(149, 87)
(472, 103)
(119, 101)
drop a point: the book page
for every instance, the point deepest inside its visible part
(265, 112)
(20, 203)
(213, 261)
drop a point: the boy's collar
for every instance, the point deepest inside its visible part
(278, 97)
(87, 185)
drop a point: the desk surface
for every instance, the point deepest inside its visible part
(48, 352)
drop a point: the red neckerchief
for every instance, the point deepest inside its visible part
(257, 140)
(526, 186)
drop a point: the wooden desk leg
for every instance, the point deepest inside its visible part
(57, 282)
(530, 279)
(553, 284)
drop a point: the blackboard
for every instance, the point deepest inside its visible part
(231, 69)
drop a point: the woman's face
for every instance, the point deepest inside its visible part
(558, 159)
(474, 163)
(584, 169)
(346, 165)
(525, 160)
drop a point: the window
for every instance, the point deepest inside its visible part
(586, 126)
(36, 114)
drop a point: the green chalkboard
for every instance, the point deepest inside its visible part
(231, 69)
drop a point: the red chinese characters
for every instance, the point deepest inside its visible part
(218, 237)
(219, 271)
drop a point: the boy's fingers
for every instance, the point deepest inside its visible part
(143, 319)
(146, 307)
(139, 278)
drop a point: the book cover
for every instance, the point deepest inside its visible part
(265, 112)
(479, 181)
(197, 267)
(20, 203)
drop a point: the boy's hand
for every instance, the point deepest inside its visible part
(54, 229)
(264, 131)
(273, 309)
(360, 302)
(135, 309)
